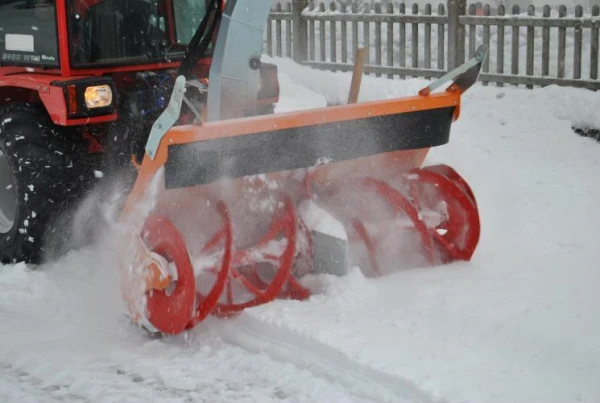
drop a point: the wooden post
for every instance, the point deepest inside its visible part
(359, 66)
(299, 31)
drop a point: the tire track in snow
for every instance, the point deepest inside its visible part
(89, 353)
(117, 385)
(320, 359)
(16, 385)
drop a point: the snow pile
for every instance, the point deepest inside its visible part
(330, 88)
(571, 105)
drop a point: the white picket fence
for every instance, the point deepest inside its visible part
(533, 47)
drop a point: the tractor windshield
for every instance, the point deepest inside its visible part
(118, 32)
(28, 33)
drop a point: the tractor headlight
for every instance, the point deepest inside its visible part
(89, 97)
(98, 96)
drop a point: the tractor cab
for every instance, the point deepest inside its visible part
(83, 81)
(105, 58)
(126, 32)
(76, 36)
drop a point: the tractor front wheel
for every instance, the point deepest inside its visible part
(40, 178)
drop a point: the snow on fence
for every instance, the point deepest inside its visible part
(533, 47)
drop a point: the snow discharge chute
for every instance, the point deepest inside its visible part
(219, 216)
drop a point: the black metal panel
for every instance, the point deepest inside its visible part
(204, 162)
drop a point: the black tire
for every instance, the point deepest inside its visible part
(49, 170)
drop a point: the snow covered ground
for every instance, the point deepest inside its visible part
(520, 322)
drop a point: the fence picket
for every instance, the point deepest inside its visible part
(378, 38)
(577, 44)
(332, 37)
(322, 34)
(441, 42)
(415, 38)
(270, 37)
(461, 34)
(402, 39)
(500, 45)
(486, 40)
(354, 29)
(390, 40)
(344, 26)
(562, 43)
(312, 43)
(514, 56)
(546, 44)
(427, 38)
(472, 11)
(278, 39)
(367, 38)
(288, 32)
(463, 25)
(453, 23)
(594, 46)
(530, 44)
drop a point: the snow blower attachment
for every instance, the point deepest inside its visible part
(232, 213)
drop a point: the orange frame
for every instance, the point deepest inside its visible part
(257, 124)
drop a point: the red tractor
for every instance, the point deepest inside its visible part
(229, 205)
(81, 83)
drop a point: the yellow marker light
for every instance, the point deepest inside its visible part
(98, 96)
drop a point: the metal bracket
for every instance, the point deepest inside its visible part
(194, 110)
(167, 118)
(202, 89)
(455, 75)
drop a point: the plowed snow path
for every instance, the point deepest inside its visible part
(76, 347)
